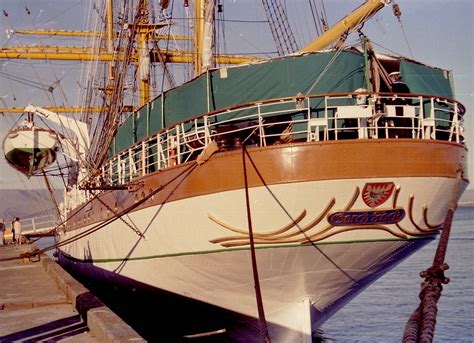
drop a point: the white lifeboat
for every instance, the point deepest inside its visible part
(30, 149)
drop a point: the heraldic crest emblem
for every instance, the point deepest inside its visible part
(375, 194)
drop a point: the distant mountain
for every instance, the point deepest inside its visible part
(26, 203)
(467, 198)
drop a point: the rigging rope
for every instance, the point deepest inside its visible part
(326, 68)
(280, 27)
(339, 48)
(134, 229)
(220, 30)
(27, 82)
(112, 117)
(56, 83)
(186, 172)
(397, 13)
(51, 193)
(324, 17)
(315, 15)
(166, 72)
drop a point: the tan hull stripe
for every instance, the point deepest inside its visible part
(297, 163)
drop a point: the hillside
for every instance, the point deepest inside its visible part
(26, 203)
(467, 198)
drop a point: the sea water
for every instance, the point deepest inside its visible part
(379, 314)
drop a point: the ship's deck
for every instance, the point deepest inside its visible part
(311, 118)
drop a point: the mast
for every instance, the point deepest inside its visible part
(349, 22)
(110, 27)
(86, 54)
(203, 35)
(208, 35)
(143, 57)
(110, 36)
(79, 110)
(198, 36)
(143, 54)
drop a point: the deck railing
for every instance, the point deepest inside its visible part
(287, 120)
(39, 224)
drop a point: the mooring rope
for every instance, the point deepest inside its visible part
(420, 327)
(258, 293)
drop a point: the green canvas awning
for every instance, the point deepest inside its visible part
(317, 73)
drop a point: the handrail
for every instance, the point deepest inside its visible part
(321, 117)
(309, 96)
(38, 223)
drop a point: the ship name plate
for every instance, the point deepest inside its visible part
(391, 216)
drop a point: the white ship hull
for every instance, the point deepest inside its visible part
(189, 247)
(328, 276)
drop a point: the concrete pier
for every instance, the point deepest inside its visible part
(40, 301)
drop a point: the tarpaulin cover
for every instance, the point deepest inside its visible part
(125, 135)
(422, 79)
(216, 89)
(277, 78)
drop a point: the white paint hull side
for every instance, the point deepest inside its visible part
(177, 255)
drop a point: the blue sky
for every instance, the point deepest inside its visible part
(438, 33)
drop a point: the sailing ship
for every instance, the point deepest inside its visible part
(311, 165)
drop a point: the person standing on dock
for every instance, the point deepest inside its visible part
(16, 225)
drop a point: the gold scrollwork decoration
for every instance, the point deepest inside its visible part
(421, 231)
(284, 234)
(294, 232)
